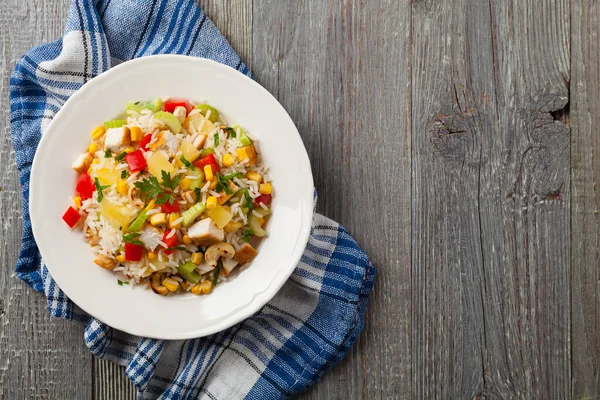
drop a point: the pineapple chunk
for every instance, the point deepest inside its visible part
(189, 151)
(107, 176)
(159, 162)
(220, 216)
(118, 216)
(195, 123)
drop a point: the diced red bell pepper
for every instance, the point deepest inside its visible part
(136, 161)
(263, 198)
(208, 160)
(171, 105)
(169, 208)
(85, 186)
(71, 217)
(145, 141)
(170, 242)
(133, 252)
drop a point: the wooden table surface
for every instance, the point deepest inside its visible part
(454, 139)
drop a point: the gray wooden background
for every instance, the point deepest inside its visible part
(457, 140)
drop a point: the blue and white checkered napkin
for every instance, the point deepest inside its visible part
(309, 325)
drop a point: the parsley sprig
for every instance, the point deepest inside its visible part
(99, 189)
(223, 182)
(160, 192)
(132, 238)
(247, 235)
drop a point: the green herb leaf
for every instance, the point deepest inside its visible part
(230, 131)
(198, 193)
(176, 248)
(121, 156)
(99, 189)
(124, 174)
(162, 193)
(216, 274)
(107, 153)
(132, 238)
(247, 235)
(120, 283)
(185, 162)
(216, 139)
(247, 199)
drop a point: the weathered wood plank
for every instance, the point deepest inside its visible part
(342, 71)
(585, 199)
(490, 200)
(39, 357)
(234, 20)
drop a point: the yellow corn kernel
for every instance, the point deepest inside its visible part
(151, 255)
(93, 148)
(265, 188)
(120, 258)
(77, 201)
(197, 289)
(98, 132)
(150, 205)
(158, 219)
(213, 185)
(207, 287)
(172, 218)
(122, 187)
(211, 202)
(129, 149)
(261, 221)
(136, 133)
(95, 161)
(228, 160)
(170, 284)
(184, 285)
(186, 239)
(185, 184)
(232, 227)
(196, 258)
(89, 170)
(254, 176)
(208, 173)
(248, 153)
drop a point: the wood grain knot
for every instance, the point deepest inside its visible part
(451, 137)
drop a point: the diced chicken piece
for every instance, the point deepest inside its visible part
(223, 197)
(245, 254)
(203, 268)
(159, 142)
(197, 123)
(83, 162)
(249, 153)
(228, 265)
(180, 113)
(105, 262)
(206, 232)
(150, 236)
(199, 142)
(172, 143)
(117, 137)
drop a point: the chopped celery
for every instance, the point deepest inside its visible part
(154, 106)
(131, 106)
(192, 213)
(207, 151)
(139, 221)
(187, 272)
(197, 183)
(170, 120)
(244, 139)
(254, 224)
(204, 108)
(115, 123)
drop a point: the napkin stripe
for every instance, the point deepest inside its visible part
(282, 349)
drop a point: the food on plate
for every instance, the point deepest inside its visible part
(170, 196)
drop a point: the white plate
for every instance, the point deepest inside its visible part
(69, 257)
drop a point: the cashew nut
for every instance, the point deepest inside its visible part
(156, 285)
(134, 201)
(215, 251)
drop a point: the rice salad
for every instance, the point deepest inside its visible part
(170, 196)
